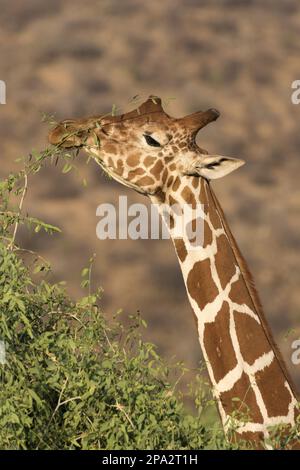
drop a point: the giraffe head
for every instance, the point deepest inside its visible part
(146, 148)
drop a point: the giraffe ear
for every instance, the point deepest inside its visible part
(216, 166)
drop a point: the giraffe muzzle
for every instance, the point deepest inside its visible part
(71, 133)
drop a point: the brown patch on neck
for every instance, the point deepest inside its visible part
(195, 182)
(252, 340)
(240, 295)
(176, 184)
(171, 200)
(208, 238)
(271, 385)
(218, 344)
(170, 181)
(189, 197)
(247, 405)
(192, 228)
(224, 260)
(165, 175)
(180, 249)
(200, 284)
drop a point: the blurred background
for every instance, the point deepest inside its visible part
(71, 59)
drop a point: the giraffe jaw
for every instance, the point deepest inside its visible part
(109, 171)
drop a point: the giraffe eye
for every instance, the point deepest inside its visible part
(151, 141)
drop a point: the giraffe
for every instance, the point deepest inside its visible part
(157, 155)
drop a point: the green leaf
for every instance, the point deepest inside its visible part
(84, 272)
(67, 167)
(35, 397)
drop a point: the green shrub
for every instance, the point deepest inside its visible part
(73, 381)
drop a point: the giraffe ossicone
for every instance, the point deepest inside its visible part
(157, 155)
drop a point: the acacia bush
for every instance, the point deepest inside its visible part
(71, 380)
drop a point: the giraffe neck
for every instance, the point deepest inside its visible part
(247, 373)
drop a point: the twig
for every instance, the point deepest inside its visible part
(31, 252)
(108, 341)
(60, 403)
(122, 409)
(11, 245)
